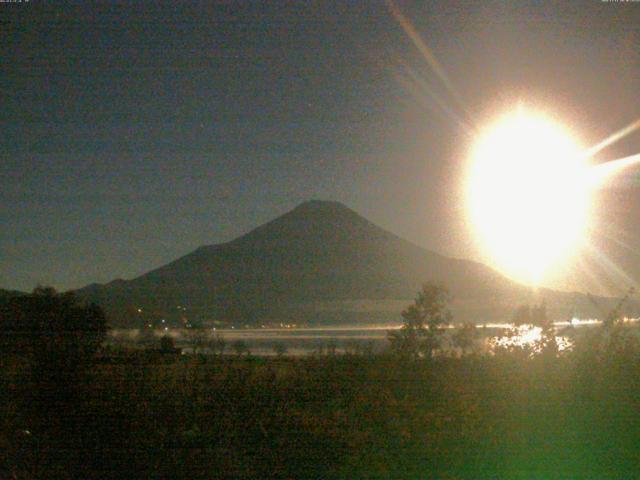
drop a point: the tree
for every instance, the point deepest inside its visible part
(240, 347)
(146, 335)
(522, 315)
(198, 338)
(424, 323)
(612, 338)
(218, 344)
(332, 346)
(59, 333)
(464, 336)
(279, 348)
(167, 344)
(538, 318)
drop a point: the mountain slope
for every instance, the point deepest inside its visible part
(319, 263)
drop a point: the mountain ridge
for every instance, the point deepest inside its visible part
(320, 253)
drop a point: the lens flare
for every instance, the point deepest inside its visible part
(528, 194)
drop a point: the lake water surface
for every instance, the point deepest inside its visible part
(305, 341)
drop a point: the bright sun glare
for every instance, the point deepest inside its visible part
(528, 194)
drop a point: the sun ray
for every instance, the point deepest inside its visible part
(606, 171)
(621, 278)
(422, 88)
(613, 138)
(616, 236)
(560, 203)
(429, 57)
(586, 268)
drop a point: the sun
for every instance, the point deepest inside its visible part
(528, 194)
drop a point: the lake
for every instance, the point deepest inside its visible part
(354, 339)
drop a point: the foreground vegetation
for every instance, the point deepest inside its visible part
(506, 416)
(514, 414)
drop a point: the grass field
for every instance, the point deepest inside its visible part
(332, 416)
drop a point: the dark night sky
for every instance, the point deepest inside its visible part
(134, 132)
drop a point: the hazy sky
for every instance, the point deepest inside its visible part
(133, 132)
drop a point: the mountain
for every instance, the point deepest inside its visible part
(319, 263)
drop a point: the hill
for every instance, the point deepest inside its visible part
(319, 263)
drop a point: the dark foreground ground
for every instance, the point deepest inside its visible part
(354, 416)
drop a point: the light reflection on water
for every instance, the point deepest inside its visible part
(302, 341)
(527, 336)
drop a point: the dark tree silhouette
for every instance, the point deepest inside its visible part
(522, 315)
(464, 337)
(613, 339)
(56, 331)
(198, 338)
(218, 344)
(240, 347)
(167, 344)
(536, 315)
(279, 349)
(423, 323)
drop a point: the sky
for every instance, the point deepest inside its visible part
(134, 132)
